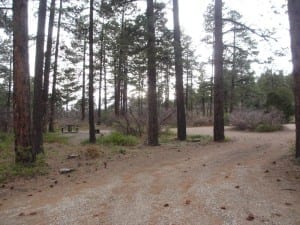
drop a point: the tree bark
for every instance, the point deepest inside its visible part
(219, 83)
(53, 96)
(37, 115)
(120, 72)
(21, 99)
(152, 95)
(92, 136)
(48, 64)
(167, 87)
(294, 17)
(181, 120)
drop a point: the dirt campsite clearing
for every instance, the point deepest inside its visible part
(250, 179)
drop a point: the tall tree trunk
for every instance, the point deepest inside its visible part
(83, 82)
(219, 83)
(140, 98)
(22, 121)
(53, 96)
(203, 106)
(120, 73)
(167, 87)
(181, 120)
(294, 17)
(152, 95)
(92, 135)
(124, 89)
(48, 64)
(37, 115)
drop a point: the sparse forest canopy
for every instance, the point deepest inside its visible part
(99, 66)
(120, 69)
(149, 112)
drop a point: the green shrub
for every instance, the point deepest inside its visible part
(119, 139)
(202, 139)
(166, 136)
(268, 128)
(6, 141)
(55, 138)
(9, 169)
(282, 99)
(122, 151)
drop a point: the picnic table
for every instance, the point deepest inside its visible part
(70, 128)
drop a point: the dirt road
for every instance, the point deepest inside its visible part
(250, 179)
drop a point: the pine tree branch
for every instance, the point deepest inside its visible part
(264, 36)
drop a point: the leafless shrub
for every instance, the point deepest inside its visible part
(250, 119)
(130, 124)
(201, 121)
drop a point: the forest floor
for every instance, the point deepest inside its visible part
(250, 179)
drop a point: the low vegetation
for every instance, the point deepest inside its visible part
(202, 139)
(119, 139)
(167, 135)
(55, 138)
(91, 153)
(9, 169)
(257, 120)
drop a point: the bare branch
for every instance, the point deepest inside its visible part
(6, 8)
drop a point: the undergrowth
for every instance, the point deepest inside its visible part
(202, 139)
(9, 169)
(268, 127)
(116, 138)
(257, 120)
(166, 136)
(55, 138)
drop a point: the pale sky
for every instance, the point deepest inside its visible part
(257, 14)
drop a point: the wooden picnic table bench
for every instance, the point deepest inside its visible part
(70, 128)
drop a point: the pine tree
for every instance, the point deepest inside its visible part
(22, 120)
(152, 96)
(92, 135)
(294, 17)
(37, 128)
(181, 120)
(54, 79)
(218, 85)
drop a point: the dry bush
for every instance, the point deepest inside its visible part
(130, 124)
(201, 121)
(167, 117)
(91, 153)
(252, 119)
(194, 119)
